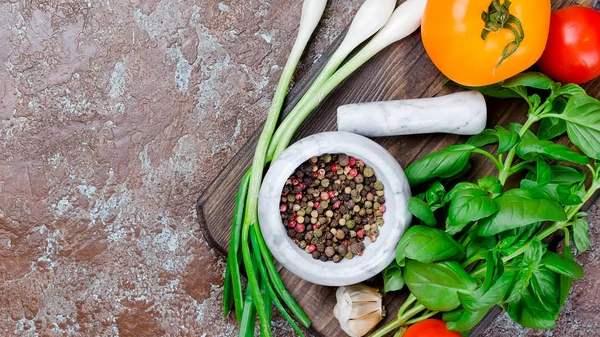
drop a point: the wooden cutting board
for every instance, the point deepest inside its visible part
(402, 71)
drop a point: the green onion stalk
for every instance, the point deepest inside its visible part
(246, 242)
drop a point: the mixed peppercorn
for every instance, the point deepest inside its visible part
(330, 204)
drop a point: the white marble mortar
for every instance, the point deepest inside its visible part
(377, 255)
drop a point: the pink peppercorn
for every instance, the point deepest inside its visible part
(311, 248)
(294, 181)
(316, 204)
(321, 172)
(300, 228)
(324, 196)
(352, 161)
(283, 208)
(315, 174)
(382, 208)
(316, 226)
(299, 196)
(292, 223)
(332, 167)
(331, 194)
(302, 185)
(360, 234)
(353, 173)
(337, 204)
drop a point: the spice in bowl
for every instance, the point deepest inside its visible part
(331, 204)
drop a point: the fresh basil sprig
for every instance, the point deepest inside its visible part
(490, 249)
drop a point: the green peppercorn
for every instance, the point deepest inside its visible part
(378, 185)
(368, 204)
(325, 182)
(348, 255)
(318, 233)
(326, 158)
(350, 224)
(368, 172)
(329, 213)
(379, 193)
(302, 244)
(376, 205)
(359, 187)
(300, 212)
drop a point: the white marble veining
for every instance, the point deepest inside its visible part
(462, 113)
(377, 255)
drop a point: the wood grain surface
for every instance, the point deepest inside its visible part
(402, 71)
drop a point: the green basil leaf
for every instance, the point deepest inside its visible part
(442, 164)
(527, 311)
(581, 236)
(392, 278)
(545, 287)
(507, 139)
(533, 255)
(470, 205)
(421, 210)
(554, 192)
(426, 245)
(559, 264)
(518, 208)
(494, 90)
(569, 90)
(565, 175)
(550, 150)
(459, 187)
(491, 185)
(529, 135)
(531, 80)
(435, 285)
(566, 282)
(551, 128)
(480, 247)
(583, 124)
(465, 321)
(496, 294)
(512, 240)
(435, 196)
(544, 172)
(486, 137)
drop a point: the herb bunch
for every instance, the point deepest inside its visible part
(493, 250)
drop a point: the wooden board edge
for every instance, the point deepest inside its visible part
(201, 219)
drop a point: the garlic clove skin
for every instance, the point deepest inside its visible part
(358, 309)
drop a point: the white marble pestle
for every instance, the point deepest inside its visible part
(461, 113)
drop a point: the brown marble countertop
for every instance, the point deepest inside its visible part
(114, 116)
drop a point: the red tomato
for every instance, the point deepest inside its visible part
(572, 54)
(430, 328)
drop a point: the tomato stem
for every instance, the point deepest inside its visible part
(498, 17)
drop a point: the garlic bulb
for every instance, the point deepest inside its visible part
(359, 309)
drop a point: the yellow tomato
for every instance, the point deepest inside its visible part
(452, 36)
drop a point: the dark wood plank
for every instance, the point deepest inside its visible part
(401, 71)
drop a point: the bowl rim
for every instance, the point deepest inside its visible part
(377, 255)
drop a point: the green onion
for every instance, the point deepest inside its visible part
(232, 272)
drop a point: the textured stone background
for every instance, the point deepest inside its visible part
(114, 116)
